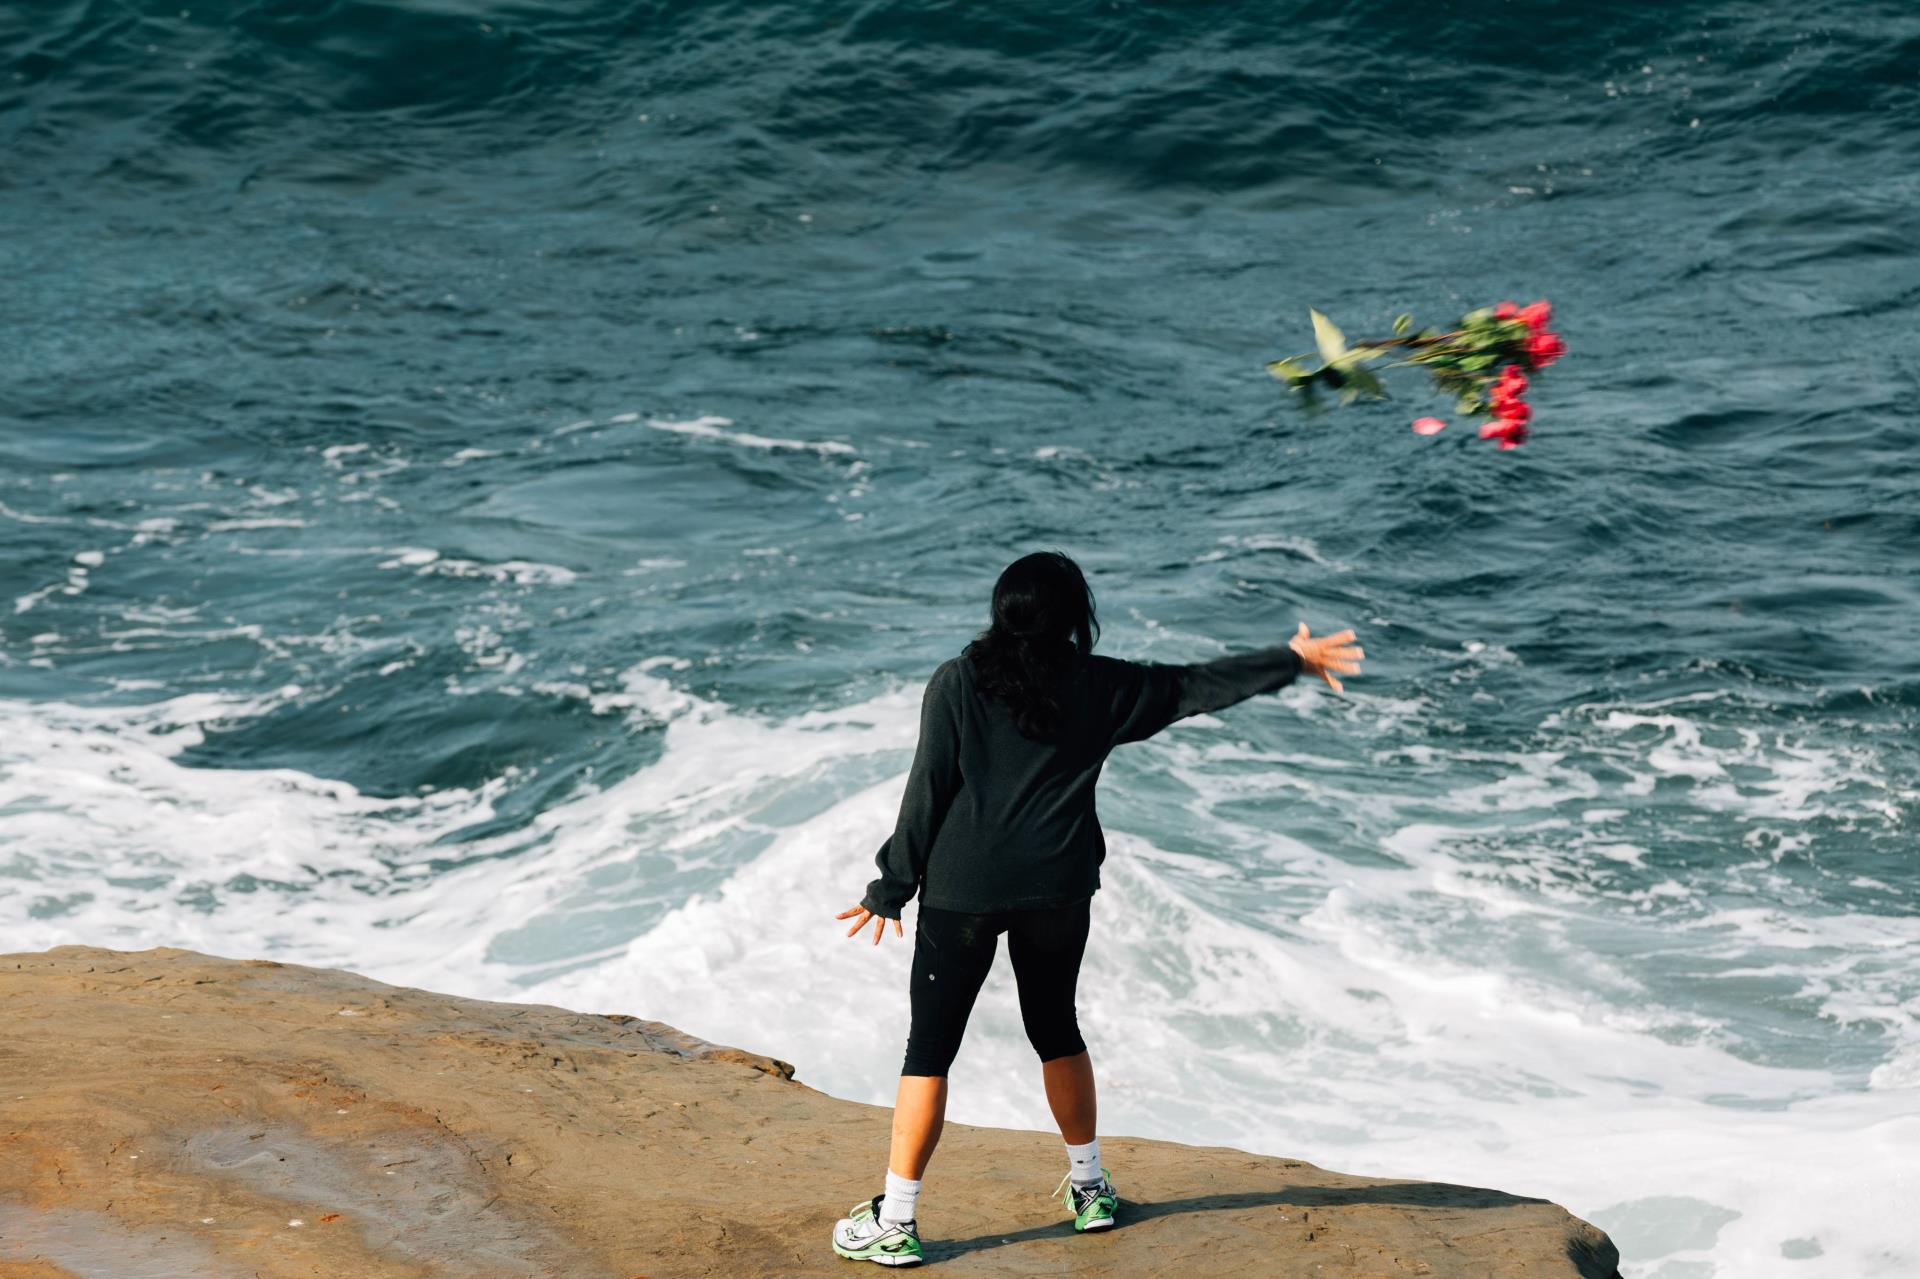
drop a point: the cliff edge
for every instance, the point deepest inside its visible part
(165, 1113)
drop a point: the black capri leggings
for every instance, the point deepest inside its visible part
(953, 950)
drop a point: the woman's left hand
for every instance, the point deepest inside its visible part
(879, 923)
(1329, 657)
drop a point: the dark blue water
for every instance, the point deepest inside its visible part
(483, 483)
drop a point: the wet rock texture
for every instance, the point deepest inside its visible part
(167, 1114)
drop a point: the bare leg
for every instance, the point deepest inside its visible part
(1070, 1095)
(919, 1112)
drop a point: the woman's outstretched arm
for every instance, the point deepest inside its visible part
(1148, 696)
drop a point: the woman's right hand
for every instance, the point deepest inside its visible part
(880, 922)
(1325, 656)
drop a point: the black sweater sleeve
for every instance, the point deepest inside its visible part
(1148, 696)
(931, 783)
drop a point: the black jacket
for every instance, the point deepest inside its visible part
(992, 820)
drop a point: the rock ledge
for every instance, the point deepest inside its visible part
(168, 1113)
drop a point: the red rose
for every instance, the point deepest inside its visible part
(1508, 435)
(1505, 311)
(1512, 384)
(1513, 411)
(1537, 314)
(1544, 348)
(1428, 426)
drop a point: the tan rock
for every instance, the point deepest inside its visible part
(165, 1113)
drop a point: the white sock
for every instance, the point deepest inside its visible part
(1086, 1162)
(902, 1195)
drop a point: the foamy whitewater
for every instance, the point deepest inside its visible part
(481, 496)
(1439, 1013)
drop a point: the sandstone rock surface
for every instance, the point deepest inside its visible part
(169, 1114)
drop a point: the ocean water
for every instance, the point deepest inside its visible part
(484, 483)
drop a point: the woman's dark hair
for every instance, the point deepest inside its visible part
(1043, 620)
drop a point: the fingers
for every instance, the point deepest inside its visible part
(879, 923)
(1329, 654)
(1339, 663)
(1335, 654)
(1328, 644)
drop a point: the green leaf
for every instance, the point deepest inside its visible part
(1331, 341)
(1363, 382)
(1402, 323)
(1292, 369)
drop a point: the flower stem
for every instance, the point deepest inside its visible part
(1375, 344)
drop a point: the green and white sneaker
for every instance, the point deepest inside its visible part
(862, 1236)
(1094, 1206)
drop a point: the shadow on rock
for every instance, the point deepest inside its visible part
(1416, 1194)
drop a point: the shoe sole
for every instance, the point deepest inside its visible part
(1098, 1223)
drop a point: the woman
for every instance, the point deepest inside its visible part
(997, 833)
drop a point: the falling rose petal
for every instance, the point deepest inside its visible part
(1428, 426)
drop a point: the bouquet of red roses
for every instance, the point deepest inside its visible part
(1483, 362)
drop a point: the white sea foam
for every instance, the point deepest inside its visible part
(653, 564)
(714, 428)
(711, 427)
(426, 560)
(1304, 547)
